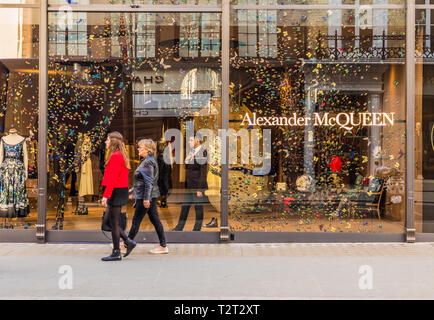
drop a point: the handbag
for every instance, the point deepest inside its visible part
(107, 226)
(33, 174)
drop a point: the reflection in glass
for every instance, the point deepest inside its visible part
(146, 75)
(313, 67)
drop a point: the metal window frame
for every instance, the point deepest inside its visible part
(42, 235)
(19, 6)
(135, 8)
(410, 118)
(317, 7)
(42, 123)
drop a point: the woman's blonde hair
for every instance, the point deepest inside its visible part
(148, 144)
(117, 143)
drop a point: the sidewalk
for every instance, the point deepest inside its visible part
(220, 271)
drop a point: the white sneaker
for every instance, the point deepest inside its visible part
(159, 250)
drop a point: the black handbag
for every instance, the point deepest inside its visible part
(108, 227)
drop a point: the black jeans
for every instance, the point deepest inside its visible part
(113, 214)
(189, 200)
(140, 212)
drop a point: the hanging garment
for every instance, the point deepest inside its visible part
(86, 176)
(336, 164)
(13, 193)
(86, 179)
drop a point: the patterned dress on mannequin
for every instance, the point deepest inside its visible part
(13, 192)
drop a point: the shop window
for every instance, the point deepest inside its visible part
(132, 81)
(312, 177)
(19, 76)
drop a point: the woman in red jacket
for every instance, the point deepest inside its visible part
(115, 193)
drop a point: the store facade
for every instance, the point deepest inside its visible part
(317, 123)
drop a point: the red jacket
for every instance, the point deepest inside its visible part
(115, 174)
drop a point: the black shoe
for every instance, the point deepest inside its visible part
(115, 256)
(83, 211)
(212, 224)
(176, 229)
(130, 245)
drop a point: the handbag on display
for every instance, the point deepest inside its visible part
(33, 173)
(108, 227)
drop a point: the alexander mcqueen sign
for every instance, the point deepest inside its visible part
(343, 120)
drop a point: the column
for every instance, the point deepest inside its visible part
(309, 135)
(374, 134)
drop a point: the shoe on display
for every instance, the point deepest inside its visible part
(83, 211)
(58, 225)
(115, 256)
(159, 250)
(336, 214)
(212, 224)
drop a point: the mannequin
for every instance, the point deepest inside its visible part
(14, 138)
(13, 176)
(86, 177)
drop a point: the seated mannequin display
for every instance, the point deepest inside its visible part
(13, 175)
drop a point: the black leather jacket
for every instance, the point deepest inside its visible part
(146, 179)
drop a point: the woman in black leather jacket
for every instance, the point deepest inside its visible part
(145, 192)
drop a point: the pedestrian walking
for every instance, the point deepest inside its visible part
(146, 193)
(115, 183)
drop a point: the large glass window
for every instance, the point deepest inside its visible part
(319, 121)
(424, 122)
(19, 76)
(135, 79)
